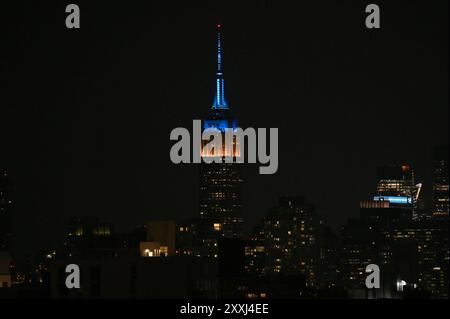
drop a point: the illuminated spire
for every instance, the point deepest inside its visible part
(219, 100)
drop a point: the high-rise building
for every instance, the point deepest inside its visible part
(397, 185)
(328, 266)
(220, 183)
(395, 180)
(430, 242)
(291, 239)
(440, 183)
(357, 253)
(369, 240)
(255, 252)
(5, 212)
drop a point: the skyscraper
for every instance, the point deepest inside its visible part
(396, 184)
(430, 240)
(220, 183)
(395, 180)
(440, 183)
(373, 239)
(410, 250)
(255, 251)
(290, 232)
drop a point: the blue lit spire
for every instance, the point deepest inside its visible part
(219, 100)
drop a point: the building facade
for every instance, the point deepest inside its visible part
(220, 203)
(397, 184)
(291, 239)
(440, 183)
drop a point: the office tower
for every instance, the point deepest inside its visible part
(5, 212)
(328, 266)
(397, 258)
(396, 184)
(363, 243)
(255, 252)
(357, 252)
(440, 183)
(430, 241)
(220, 183)
(395, 180)
(413, 252)
(290, 236)
(366, 241)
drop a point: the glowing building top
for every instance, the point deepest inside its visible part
(219, 100)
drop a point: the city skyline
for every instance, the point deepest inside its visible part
(83, 162)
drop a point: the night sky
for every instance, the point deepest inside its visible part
(86, 114)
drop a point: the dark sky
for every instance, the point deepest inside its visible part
(86, 114)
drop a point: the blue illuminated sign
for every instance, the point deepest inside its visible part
(394, 199)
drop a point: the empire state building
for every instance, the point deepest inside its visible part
(220, 183)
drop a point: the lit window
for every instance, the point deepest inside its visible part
(164, 251)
